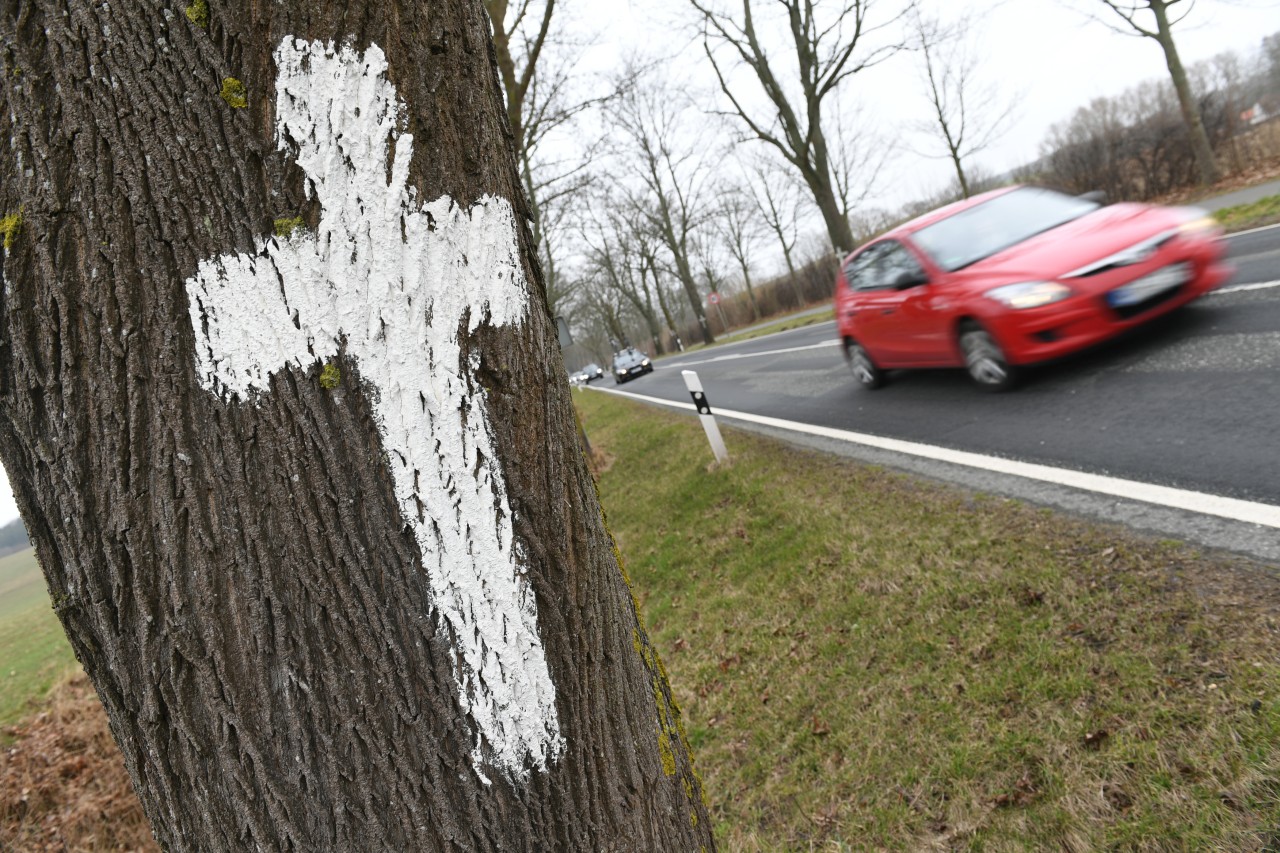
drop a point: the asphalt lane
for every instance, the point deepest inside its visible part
(1192, 401)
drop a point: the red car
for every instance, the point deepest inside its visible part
(1018, 276)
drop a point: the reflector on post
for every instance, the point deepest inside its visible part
(694, 385)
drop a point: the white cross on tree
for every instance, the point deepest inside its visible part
(390, 282)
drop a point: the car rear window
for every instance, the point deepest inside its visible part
(993, 226)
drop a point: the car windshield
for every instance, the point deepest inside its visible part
(626, 358)
(993, 226)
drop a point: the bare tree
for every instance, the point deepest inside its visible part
(1160, 29)
(1271, 56)
(967, 112)
(615, 259)
(652, 265)
(604, 309)
(777, 200)
(829, 43)
(741, 229)
(535, 64)
(671, 166)
(520, 34)
(283, 412)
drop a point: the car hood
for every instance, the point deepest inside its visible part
(1082, 241)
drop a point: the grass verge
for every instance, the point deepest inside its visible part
(34, 653)
(869, 661)
(864, 661)
(782, 324)
(1242, 217)
(785, 324)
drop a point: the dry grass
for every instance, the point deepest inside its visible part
(63, 786)
(869, 661)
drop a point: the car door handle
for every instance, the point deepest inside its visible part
(886, 310)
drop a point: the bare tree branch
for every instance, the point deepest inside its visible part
(829, 43)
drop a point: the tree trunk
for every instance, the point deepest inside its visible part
(1206, 164)
(310, 506)
(822, 185)
(685, 274)
(751, 293)
(824, 195)
(959, 167)
(667, 314)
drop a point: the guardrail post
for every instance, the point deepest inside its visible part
(694, 385)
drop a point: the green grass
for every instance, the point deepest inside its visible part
(34, 653)
(1264, 211)
(783, 324)
(869, 661)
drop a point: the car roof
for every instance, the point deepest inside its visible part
(927, 219)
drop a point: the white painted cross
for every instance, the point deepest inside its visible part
(394, 279)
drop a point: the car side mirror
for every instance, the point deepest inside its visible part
(910, 279)
(1096, 196)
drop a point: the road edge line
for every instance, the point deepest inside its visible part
(1233, 509)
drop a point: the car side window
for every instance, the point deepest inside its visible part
(896, 261)
(861, 271)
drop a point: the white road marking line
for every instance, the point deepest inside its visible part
(1233, 509)
(1253, 230)
(735, 356)
(1240, 288)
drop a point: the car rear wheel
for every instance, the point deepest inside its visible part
(985, 360)
(864, 370)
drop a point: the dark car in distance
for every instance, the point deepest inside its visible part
(630, 363)
(1015, 277)
(589, 373)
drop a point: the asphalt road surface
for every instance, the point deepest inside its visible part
(1191, 402)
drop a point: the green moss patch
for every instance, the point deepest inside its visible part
(10, 227)
(198, 13)
(330, 377)
(285, 227)
(234, 93)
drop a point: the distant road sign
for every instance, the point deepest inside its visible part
(714, 298)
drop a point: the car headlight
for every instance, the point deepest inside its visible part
(1030, 294)
(1201, 224)
(644, 363)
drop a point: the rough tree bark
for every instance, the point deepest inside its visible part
(310, 506)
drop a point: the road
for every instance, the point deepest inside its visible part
(1191, 402)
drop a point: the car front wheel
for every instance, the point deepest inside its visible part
(986, 362)
(864, 370)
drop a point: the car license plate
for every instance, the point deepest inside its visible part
(1151, 284)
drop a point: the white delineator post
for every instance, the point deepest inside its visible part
(694, 385)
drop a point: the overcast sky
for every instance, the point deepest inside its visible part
(1046, 50)
(1047, 53)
